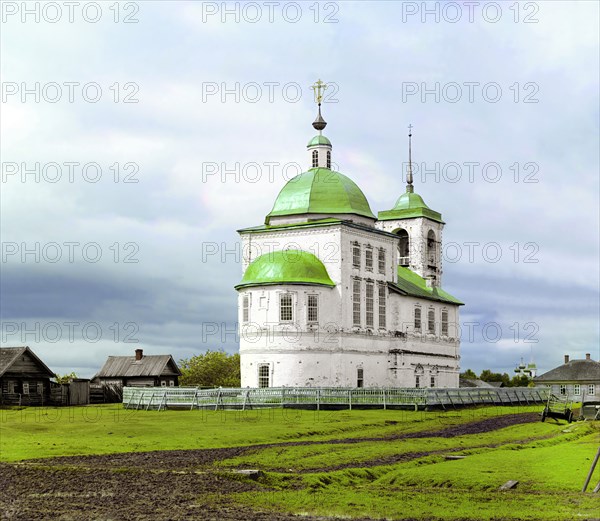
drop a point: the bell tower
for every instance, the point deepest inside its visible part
(419, 229)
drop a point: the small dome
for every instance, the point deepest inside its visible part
(286, 267)
(321, 191)
(409, 205)
(318, 140)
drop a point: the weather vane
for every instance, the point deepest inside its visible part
(318, 88)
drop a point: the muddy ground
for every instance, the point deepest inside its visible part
(162, 485)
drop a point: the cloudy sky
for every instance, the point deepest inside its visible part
(136, 139)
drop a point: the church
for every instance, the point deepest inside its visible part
(334, 296)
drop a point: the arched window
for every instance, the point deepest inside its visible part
(418, 319)
(431, 250)
(329, 159)
(431, 321)
(246, 308)
(444, 322)
(404, 247)
(315, 159)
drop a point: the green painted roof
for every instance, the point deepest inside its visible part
(409, 283)
(321, 191)
(410, 205)
(319, 140)
(286, 267)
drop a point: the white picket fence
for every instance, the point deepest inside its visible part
(330, 397)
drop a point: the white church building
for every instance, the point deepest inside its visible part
(334, 296)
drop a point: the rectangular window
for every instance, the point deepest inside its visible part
(370, 303)
(25, 388)
(382, 306)
(246, 308)
(369, 258)
(417, 381)
(591, 389)
(444, 322)
(563, 390)
(12, 387)
(432, 383)
(263, 375)
(40, 388)
(356, 255)
(431, 321)
(418, 319)
(577, 390)
(360, 377)
(285, 308)
(356, 302)
(313, 309)
(381, 260)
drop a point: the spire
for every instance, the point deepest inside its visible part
(318, 88)
(409, 176)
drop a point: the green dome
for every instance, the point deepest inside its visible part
(320, 191)
(410, 205)
(286, 267)
(319, 140)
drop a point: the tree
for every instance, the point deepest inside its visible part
(66, 378)
(469, 375)
(487, 376)
(211, 369)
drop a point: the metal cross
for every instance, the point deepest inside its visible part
(318, 87)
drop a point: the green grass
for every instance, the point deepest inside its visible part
(550, 460)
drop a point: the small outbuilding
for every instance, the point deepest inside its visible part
(579, 379)
(24, 378)
(139, 370)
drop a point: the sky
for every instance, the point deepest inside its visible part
(137, 137)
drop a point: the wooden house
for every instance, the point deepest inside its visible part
(579, 379)
(139, 370)
(24, 378)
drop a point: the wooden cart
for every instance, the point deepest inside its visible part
(559, 408)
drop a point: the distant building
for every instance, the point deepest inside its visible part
(24, 378)
(529, 370)
(139, 370)
(578, 379)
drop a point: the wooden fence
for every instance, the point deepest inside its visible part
(327, 398)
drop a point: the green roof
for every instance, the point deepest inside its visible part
(320, 191)
(410, 205)
(286, 267)
(319, 140)
(409, 283)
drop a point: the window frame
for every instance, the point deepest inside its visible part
(312, 307)
(25, 387)
(591, 388)
(562, 390)
(576, 390)
(381, 260)
(369, 303)
(329, 159)
(418, 322)
(261, 377)
(245, 308)
(360, 377)
(432, 381)
(431, 321)
(356, 304)
(417, 381)
(356, 255)
(315, 159)
(444, 331)
(382, 305)
(368, 258)
(289, 307)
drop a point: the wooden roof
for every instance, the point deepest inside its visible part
(8, 356)
(128, 366)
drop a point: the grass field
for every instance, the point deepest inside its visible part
(349, 464)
